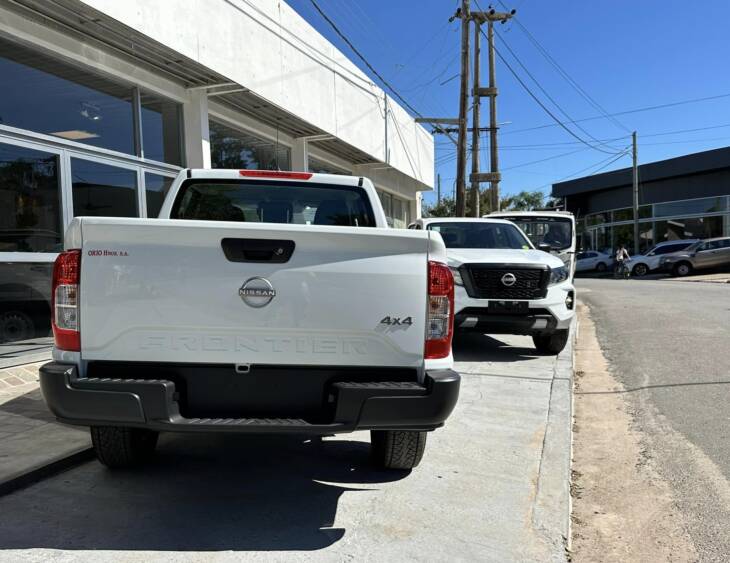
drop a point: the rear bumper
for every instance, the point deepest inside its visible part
(152, 404)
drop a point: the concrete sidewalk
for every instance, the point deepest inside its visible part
(493, 486)
(30, 438)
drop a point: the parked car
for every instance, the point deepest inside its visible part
(590, 260)
(25, 300)
(259, 302)
(702, 255)
(503, 284)
(642, 264)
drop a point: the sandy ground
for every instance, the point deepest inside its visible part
(622, 509)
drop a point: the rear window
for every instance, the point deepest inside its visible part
(296, 203)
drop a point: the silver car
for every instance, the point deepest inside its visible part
(702, 255)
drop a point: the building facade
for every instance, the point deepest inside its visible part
(684, 197)
(104, 101)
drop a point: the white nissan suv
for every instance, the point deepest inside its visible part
(504, 285)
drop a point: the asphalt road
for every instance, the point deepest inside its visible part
(492, 487)
(669, 344)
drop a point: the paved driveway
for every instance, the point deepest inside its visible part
(492, 487)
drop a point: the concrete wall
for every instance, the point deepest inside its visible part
(265, 46)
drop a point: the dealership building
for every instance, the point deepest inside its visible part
(103, 101)
(683, 197)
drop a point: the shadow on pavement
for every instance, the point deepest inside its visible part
(201, 493)
(476, 347)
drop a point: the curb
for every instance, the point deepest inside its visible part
(552, 509)
(46, 470)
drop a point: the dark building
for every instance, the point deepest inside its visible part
(683, 197)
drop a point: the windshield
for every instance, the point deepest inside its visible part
(555, 231)
(299, 203)
(480, 235)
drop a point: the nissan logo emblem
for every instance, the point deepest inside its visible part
(509, 279)
(257, 292)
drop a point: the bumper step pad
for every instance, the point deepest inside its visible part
(151, 403)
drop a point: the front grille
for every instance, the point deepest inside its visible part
(486, 282)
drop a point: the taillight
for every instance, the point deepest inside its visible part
(275, 174)
(65, 300)
(440, 319)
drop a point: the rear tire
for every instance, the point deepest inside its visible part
(397, 449)
(16, 326)
(601, 267)
(682, 269)
(118, 447)
(640, 270)
(551, 343)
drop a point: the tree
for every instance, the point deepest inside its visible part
(523, 201)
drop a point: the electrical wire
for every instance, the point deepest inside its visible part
(569, 79)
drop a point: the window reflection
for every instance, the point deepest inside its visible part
(156, 188)
(45, 95)
(161, 129)
(30, 210)
(102, 190)
(230, 148)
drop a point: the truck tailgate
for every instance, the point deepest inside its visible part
(165, 291)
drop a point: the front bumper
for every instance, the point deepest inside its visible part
(542, 315)
(151, 403)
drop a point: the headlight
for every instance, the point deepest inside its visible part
(457, 276)
(558, 275)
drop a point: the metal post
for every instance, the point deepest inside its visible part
(438, 188)
(635, 175)
(493, 155)
(463, 101)
(476, 102)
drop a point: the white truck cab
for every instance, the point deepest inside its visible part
(503, 284)
(552, 231)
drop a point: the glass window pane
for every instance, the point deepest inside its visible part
(48, 96)
(103, 191)
(690, 207)
(626, 214)
(161, 129)
(299, 203)
(230, 148)
(25, 306)
(701, 227)
(320, 167)
(30, 201)
(156, 188)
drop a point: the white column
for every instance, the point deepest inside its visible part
(197, 134)
(299, 155)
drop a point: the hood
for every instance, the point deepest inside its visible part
(459, 256)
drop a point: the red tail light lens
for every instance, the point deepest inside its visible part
(440, 314)
(65, 301)
(275, 174)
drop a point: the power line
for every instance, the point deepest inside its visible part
(362, 58)
(547, 94)
(604, 163)
(544, 107)
(569, 79)
(626, 112)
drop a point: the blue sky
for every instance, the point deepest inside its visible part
(625, 54)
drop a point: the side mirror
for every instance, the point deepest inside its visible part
(545, 247)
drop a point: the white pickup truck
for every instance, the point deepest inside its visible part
(504, 285)
(258, 302)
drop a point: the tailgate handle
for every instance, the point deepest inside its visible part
(257, 250)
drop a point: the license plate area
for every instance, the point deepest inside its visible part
(508, 307)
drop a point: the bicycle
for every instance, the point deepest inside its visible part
(621, 271)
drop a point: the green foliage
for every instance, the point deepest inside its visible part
(523, 201)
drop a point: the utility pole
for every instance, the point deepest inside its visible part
(493, 177)
(476, 103)
(463, 101)
(438, 188)
(635, 177)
